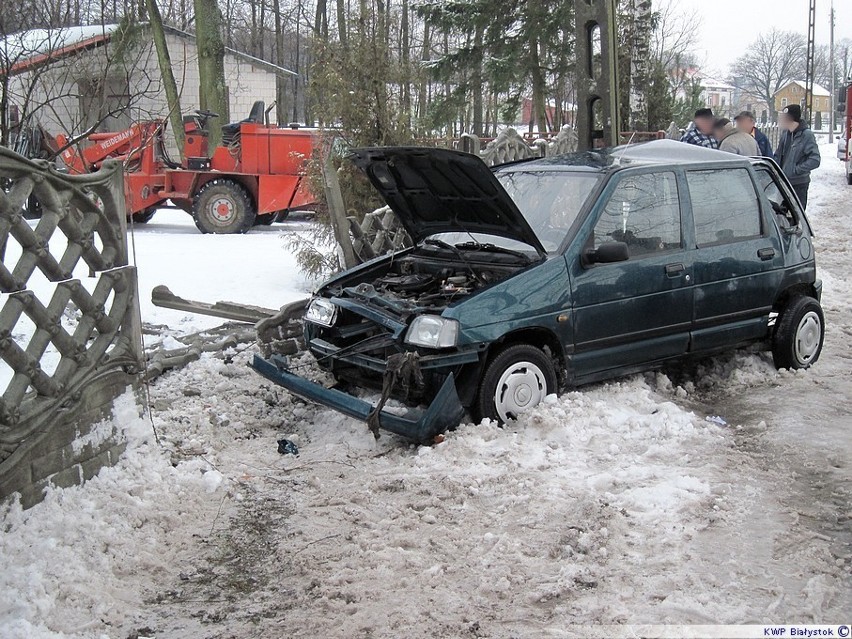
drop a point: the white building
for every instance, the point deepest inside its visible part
(719, 96)
(69, 79)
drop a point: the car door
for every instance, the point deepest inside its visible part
(738, 258)
(638, 311)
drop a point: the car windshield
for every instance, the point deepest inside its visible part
(549, 200)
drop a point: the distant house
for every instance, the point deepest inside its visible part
(715, 93)
(527, 118)
(745, 101)
(718, 95)
(73, 78)
(794, 93)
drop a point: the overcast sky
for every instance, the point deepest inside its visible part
(729, 26)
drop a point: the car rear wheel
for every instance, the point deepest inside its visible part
(515, 380)
(223, 206)
(799, 334)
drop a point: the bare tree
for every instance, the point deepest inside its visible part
(769, 63)
(164, 62)
(674, 37)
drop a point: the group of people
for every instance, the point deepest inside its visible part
(797, 152)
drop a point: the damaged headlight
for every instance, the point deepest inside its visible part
(321, 311)
(433, 331)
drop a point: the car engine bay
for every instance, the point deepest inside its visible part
(430, 283)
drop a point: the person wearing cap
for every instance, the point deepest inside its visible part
(732, 140)
(745, 122)
(798, 153)
(700, 132)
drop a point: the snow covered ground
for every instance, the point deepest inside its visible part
(621, 503)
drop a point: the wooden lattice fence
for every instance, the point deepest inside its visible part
(70, 333)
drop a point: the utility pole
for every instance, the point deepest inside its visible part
(833, 89)
(809, 65)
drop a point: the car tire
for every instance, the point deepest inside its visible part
(799, 334)
(144, 216)
(516, 379)
(223, 206)
(849, 179)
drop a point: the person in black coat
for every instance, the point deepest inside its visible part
(798, 153)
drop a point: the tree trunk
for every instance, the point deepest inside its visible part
(280, 83)
(406, 65)
(297, 69)
(165, 62)
(640, 54)
(424, 82)
(341, 22)
(538, 89)
(476, 82)
(211, 64)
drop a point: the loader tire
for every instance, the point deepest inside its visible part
(223, 206)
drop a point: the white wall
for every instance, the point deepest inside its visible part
(57, 87)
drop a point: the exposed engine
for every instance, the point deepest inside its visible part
(433, 283)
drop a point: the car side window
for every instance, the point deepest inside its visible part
(644, 213)
(785, 213)
(725, 206)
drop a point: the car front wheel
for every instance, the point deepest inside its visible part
(799, 334)
(515, 380)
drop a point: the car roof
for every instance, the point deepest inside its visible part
(656, 152)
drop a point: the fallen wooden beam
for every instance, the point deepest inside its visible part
(161, 296)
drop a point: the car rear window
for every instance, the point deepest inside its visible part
(725, 206)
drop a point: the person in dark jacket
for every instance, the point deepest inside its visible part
(746, 123)
(700, 132)
(798, 153)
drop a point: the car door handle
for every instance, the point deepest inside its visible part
(674, 269)
(766, 253)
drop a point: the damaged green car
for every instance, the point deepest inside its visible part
(558, 272)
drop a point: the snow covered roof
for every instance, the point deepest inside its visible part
(708, 82)
(818, 89)
(21, 51)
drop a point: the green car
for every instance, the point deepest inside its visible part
(557, 272)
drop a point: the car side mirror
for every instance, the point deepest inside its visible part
(607, 253)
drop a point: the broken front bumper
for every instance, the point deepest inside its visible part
(444, 412)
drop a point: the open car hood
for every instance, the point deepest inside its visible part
(443, 191)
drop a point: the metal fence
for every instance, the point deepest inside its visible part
(70, 335)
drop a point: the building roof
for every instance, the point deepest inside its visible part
(818, 90)
(709, 82)
(22, 51)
